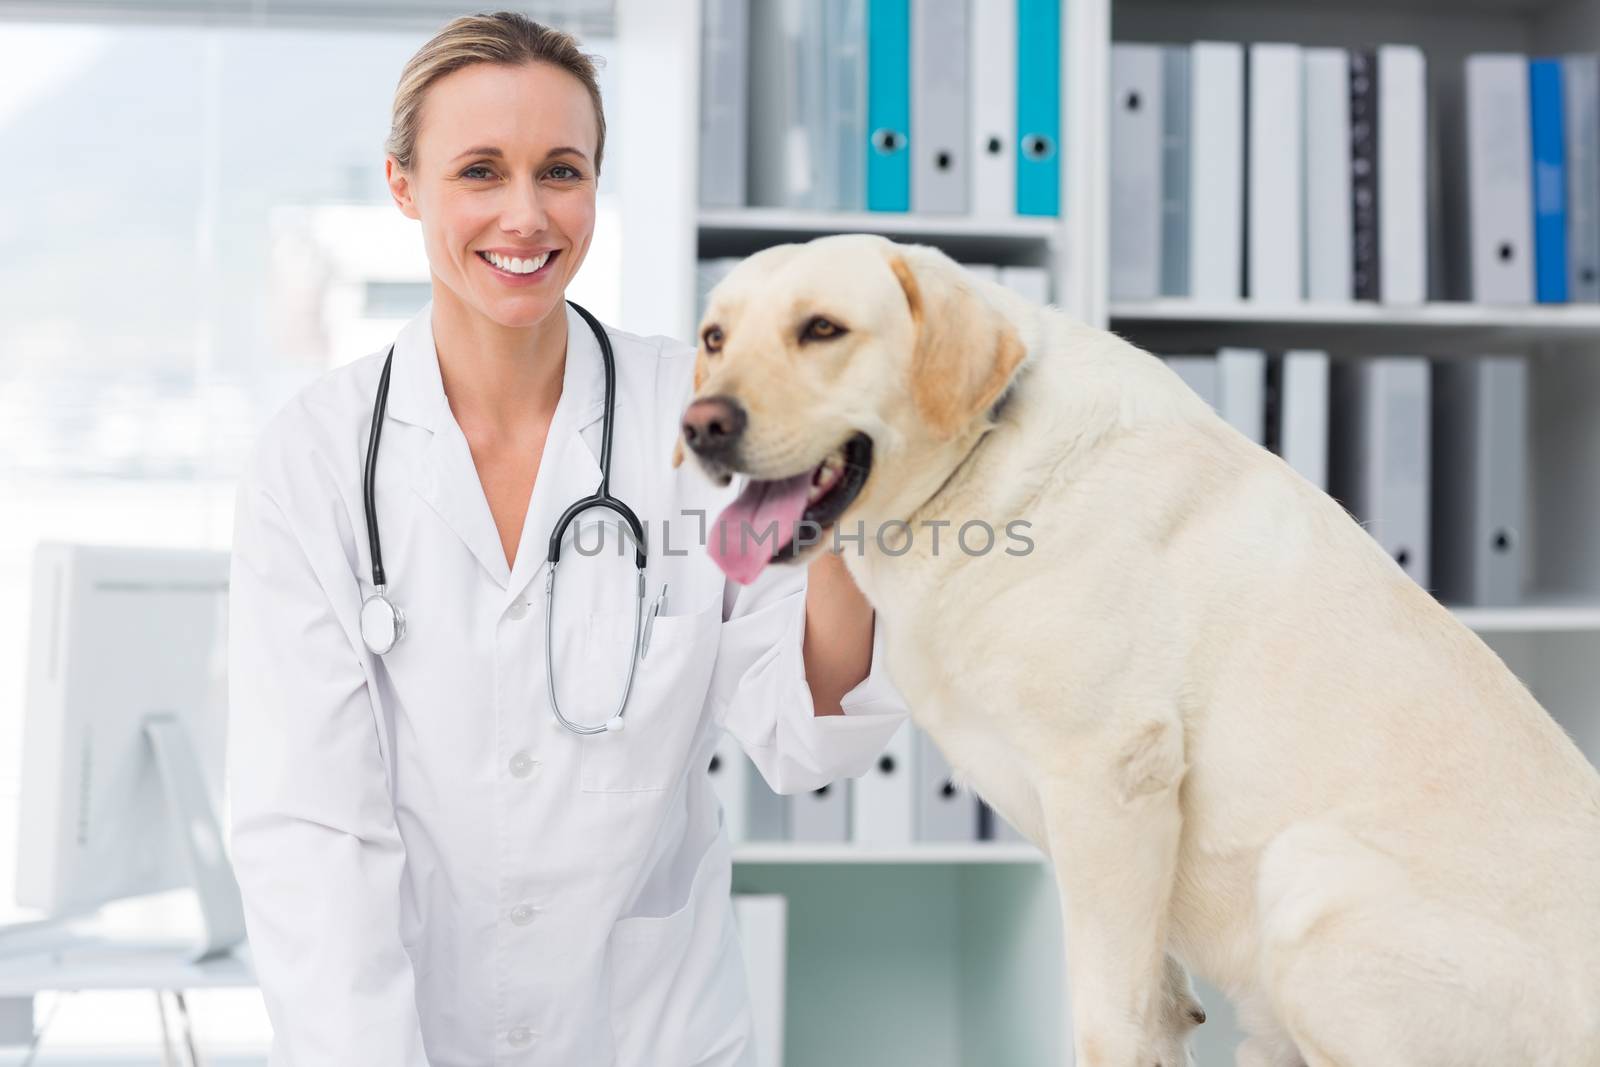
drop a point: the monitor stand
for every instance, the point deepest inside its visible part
(189, 807)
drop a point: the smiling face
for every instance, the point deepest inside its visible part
(503, 181)
(830, 373)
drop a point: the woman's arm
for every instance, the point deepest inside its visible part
(315, 846)
(838, 639)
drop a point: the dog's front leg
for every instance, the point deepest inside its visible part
(1113, 820)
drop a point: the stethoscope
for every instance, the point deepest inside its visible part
(383, 624)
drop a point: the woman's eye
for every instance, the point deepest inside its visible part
(820, 329)
(468, 173)
(571, 172)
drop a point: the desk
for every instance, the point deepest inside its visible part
(64, 961)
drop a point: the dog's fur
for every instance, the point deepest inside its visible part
(1243, 735)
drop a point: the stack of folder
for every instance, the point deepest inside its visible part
(1430, 456)
(1530, 152)
(1268, 172)
(908, 797)
(949, 107)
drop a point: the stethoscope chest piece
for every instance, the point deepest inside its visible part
(382, 624)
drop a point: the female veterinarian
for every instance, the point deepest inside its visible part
(458, 841)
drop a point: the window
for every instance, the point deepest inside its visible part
(196, 226)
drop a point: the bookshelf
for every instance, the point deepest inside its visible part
(774, 852)
(1439, 328)
(950, 954)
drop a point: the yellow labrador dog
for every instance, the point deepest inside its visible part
(1246, 740)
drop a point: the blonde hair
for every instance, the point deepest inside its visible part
(504, 37)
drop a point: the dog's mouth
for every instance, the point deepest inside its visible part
(775, 520)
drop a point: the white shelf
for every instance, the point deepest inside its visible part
(956, 852)
(780, 221)
(1537, 617)
(1442, 328)
(1533, 319)
(1014, 241)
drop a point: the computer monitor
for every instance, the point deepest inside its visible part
(124, 733)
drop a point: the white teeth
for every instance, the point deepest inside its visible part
(516, 266)
(827, 476)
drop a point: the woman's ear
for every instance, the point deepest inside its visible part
(966, 351)
(399, 183)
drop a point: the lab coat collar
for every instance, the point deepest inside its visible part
(446, 476)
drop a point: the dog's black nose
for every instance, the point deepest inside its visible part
(712, 426)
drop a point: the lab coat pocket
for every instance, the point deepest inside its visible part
(664, 705)
(678, 990)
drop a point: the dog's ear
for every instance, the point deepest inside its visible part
(965, 352)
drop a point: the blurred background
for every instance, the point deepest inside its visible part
(1368, 234)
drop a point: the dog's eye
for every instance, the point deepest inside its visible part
(818, 328)
(712, 338)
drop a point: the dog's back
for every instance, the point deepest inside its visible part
(1384, 836)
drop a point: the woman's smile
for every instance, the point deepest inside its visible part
(517, 271)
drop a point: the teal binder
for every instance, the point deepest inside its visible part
(1038, 107)
(888, 105)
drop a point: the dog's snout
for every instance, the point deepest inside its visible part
(713, 426)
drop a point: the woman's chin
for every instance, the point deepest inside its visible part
(519, 310)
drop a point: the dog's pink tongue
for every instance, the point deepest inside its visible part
(761, 521)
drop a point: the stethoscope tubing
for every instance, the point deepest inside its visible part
(380, 605)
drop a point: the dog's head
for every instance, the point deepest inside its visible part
(839, 376)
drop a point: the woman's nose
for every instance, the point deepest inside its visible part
(524, 214)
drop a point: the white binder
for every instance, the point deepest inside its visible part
(1327, 170)
(1499, 170)
(1275, 259)
(1242, 390)
(1302, 411)
(1379, 461)
(993, 76)
(1216, 171)
(788, 110)
(884, 808)
(708, 272)
(1480, 441)
(1032, 283)
(730, 772)
(821, 814)
(940, 137)
(1402, 175)
(1200, 374)
(763, 922)
(996, 828)
(725, 34)
(944, 811)
(1175, 152)
(766, 812)
(844, 161)
(1580, 82)
(1136, 149)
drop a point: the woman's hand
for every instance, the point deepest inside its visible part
(838, 638)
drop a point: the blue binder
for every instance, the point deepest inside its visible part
(1549, 181)
(888, 105)
(1038, 107)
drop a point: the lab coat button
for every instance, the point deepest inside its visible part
(519, 610)
(522, 914)
(519, 1037)
(522, 765)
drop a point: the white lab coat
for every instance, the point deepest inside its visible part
(434, 871)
